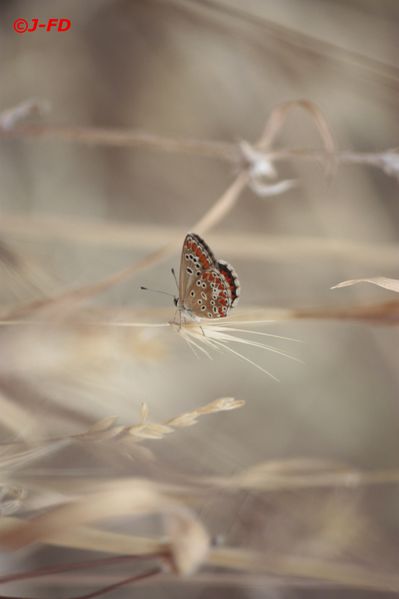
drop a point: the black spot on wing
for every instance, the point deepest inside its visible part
(203, 244)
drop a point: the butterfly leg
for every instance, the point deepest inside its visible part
(177, 320)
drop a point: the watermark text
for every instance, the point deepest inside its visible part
(25, 26)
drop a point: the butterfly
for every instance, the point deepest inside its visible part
(208, 288)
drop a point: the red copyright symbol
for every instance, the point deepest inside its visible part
(20, 25)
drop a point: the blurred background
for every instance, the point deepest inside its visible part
(74, 212)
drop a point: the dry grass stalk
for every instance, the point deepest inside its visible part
(232, 559)
(220, 336)
(92, 539)
(152, 430)
(384, 282)
(312, 569)
(188, 540)
(386, 160)
(379, 70)
(106, 428)
(283, 475)
(262, 247)
(15, 457)
(66, 526)
(379, 313)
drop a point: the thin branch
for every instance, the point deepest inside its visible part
(74, 566)
(126, 581)
(12, 126)
(380, 313)
(278, 248)
(111, 587)
(307, 568)
(97, 136)
(296, 40)
(218, 150)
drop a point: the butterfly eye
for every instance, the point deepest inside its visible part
(192, 293)
(199, 283)
(203, 308)
(189, 270)
(209, 314)
(198, 273)
(200, 301)
(203, 285)
(187, 256)
(215, 309)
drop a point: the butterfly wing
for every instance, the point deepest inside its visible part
(207, 288)
(196, 257)
(231, 279)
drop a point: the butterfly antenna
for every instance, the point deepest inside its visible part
(172, 270)
(157, 291)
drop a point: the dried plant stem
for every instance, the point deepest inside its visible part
(143, 237)
(279, 115)
(309, 568)
(75, 566)
(217, 150)
(96, 136)
(223, 205)
(380, 313)
(278, 481)
(88, 538)
(250, 562)
(121, 583)
(215, 578)
(111, 587)
(303, 42)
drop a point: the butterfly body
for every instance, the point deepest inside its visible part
(208, 288)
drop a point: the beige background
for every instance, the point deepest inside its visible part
(185, 69)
